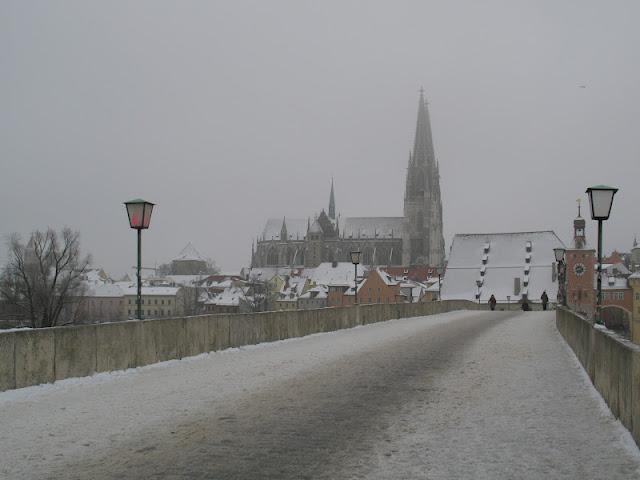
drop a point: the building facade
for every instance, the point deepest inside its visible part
(416, 238)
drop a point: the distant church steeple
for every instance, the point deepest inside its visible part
(424, 240)
(579, 237)
(332, 203)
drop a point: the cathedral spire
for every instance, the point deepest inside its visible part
(423, 144)
(424, 241)
(332, 203)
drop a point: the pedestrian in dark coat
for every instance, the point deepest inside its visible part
(545, 300)
(492, 302)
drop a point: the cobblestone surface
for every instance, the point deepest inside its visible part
(462, 395)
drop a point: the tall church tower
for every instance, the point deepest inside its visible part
(332, 203)
(423, 243)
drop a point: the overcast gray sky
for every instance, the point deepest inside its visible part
(226, 113)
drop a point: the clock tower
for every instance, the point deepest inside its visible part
(580, 270)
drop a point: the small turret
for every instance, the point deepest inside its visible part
(579, 224)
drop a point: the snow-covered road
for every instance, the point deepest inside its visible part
(460, 395)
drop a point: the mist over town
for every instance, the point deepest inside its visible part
(411, 226)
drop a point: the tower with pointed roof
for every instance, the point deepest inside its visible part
(423, 242)
(579, 224)
(332, 203)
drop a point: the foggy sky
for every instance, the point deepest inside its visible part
(226, 113)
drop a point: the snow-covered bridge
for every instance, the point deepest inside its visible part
(455, 395)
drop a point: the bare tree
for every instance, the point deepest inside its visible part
(44, 277)
(258, 296)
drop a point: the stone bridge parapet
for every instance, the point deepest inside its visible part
(32, 357)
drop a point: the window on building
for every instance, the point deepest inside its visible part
(168, 302)
(155, 301)
(129, 301)
(129, 312)
(162, 301)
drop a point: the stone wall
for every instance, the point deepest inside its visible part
(32, 357)
(612, 363)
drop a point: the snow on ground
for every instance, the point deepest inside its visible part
(47, 425)
(410, 398)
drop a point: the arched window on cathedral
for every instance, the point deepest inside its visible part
(382, 256)
(367, 256)
(272, 257)
(290, 256)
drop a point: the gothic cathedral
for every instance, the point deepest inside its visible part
(413, 239)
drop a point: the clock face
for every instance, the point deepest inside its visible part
(578, 269)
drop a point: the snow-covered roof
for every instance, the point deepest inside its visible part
(296, 228)
(184, 280)
(386, 278)
(506, 260)
(328, 274)
(104, 290)
(612, 283)
(189, 252)
(229, 297)
(373, 227)
(294, 285)
(219, 284)
(96, 276)
(615, 268)
(160, 291)
(434, 287)
(319, 291)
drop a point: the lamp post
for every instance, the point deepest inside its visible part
(139, 212)
(601, 200)
(479, 284)
(355, 259)
(559, 253)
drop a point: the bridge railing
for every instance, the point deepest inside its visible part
(612, 363)
(32, 357)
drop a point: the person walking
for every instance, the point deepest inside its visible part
(492, 302)
(545, 300)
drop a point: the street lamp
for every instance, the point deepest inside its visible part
(559, 253)
(601, 200)
(355, 259)
(139, 212)
(479, 284)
